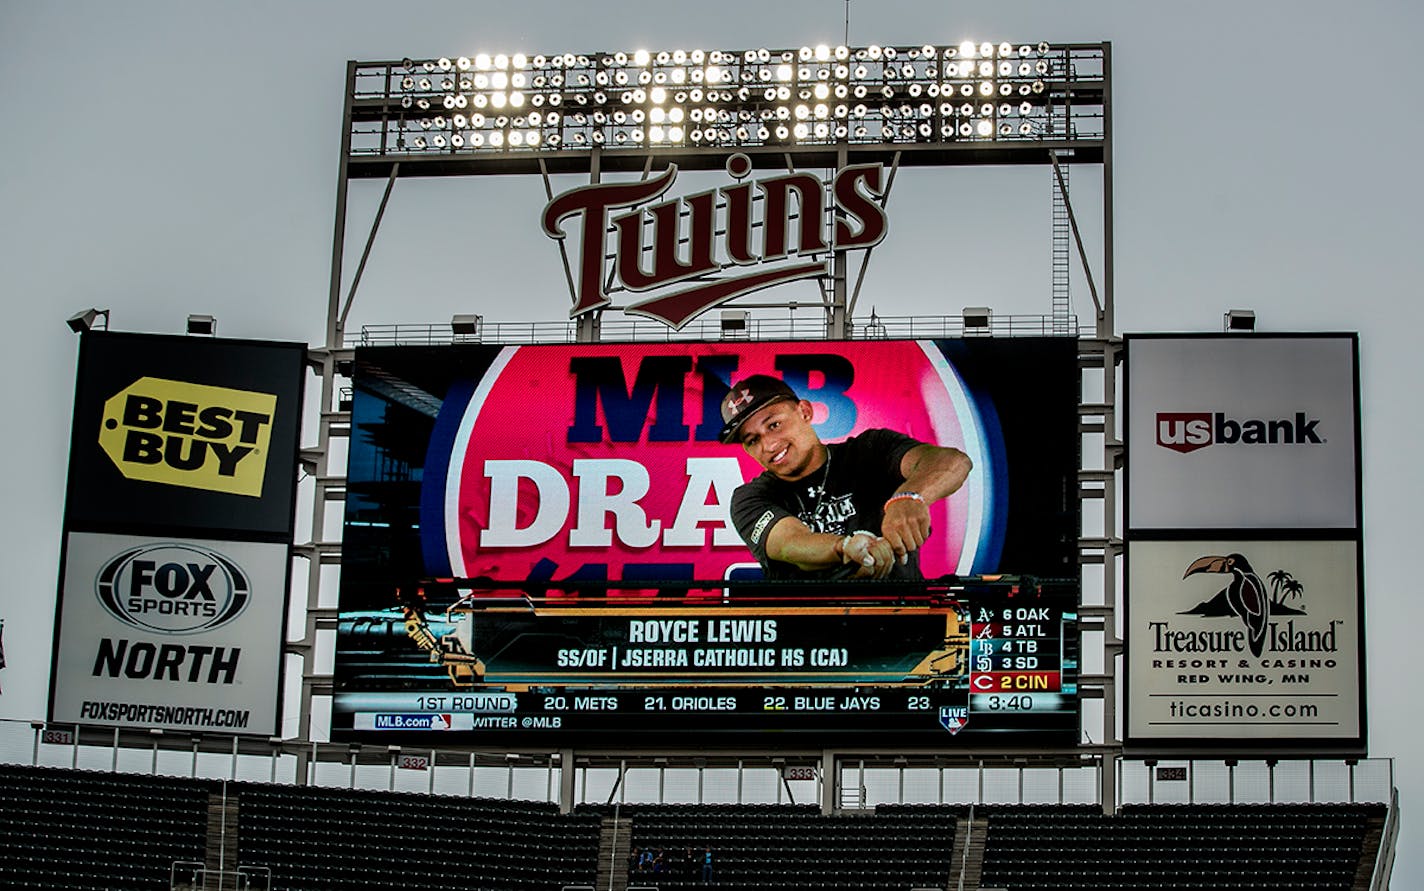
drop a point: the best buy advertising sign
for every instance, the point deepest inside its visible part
(183, 434)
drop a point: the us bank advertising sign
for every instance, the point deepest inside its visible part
(1242, 431)
(175, 633)
(1245, 640)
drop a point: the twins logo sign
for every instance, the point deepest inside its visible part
(831, 217)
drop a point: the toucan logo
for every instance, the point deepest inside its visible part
(1268, 622)
(177, 433)
(173, 588)
(1189, 431)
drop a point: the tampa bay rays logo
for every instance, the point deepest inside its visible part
(1245, 596)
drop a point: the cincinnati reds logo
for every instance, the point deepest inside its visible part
(685, 242)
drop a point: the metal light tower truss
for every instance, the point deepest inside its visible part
(933, 105)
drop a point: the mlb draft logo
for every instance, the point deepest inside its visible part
(953, 717)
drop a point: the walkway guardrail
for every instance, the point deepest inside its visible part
(748, 780)
(808, 326)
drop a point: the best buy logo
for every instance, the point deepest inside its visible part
(181, 434)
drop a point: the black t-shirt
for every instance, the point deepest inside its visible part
(863, 472)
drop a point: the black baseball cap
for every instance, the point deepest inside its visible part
(749, 396)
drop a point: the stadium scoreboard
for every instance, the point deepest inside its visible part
(538, 550)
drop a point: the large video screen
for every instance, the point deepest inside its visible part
(573, 543)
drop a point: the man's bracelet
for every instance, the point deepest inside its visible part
(901, 496)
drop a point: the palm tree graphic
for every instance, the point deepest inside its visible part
(1292, 588)
(1284, 586)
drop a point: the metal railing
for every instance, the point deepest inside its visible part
(749, 781)
(709, 329)
(1389, 837)
(191, 875)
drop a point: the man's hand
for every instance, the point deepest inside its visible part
(871, 555)
(931, 473)
(906, 526)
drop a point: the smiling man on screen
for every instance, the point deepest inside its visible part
(822, 510)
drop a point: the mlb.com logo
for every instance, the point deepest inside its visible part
(1183, 431)
(412, 722)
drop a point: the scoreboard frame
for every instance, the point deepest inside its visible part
(1011, 404)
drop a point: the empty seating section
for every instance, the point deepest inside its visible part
(1186, 847)
(774, 847)
(83, 830)
(72, 830)
(317, 839)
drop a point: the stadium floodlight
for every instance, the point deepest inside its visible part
(202, 324)
(977, 317)
(466, 323)
(1238, 320)
(734, 323)
(87, 320)
(394, 105)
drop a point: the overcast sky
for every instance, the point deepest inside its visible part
(167, 158)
